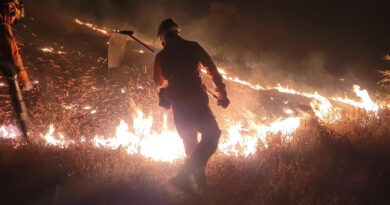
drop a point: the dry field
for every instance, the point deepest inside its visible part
(346, 161)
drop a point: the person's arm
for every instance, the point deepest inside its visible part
(157, 75)
(211, 69)
(9, 47)
(10, 52)
(214, 75)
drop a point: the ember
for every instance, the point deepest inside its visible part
(148, 132)
(93, 27)
(51, 50)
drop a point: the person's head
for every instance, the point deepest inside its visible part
(167, 29)
(11, 10)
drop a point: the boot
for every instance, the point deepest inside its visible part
(201, 181)
(182, 181)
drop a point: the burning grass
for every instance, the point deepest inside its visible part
(347, 163)
(100, 137)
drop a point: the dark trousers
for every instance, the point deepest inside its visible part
(191, 119)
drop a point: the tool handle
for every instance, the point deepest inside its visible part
(130, 33)
(21, 108)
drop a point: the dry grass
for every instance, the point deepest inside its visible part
(384, 85)
(346, 163)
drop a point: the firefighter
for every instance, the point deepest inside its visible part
(11, 65)
(12, 11)
(176, 73)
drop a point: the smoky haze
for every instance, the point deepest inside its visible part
(305, 44)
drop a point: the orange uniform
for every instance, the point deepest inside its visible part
(9, 50)
(8, 46)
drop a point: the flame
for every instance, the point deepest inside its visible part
(166, 145)
(48, 50)
(235, 79)
(123, 138)
(241, 137)
(51, 50)
(93, 27)
(366, 102)
(50, 139)
(324, 110)
(321, 105)
(161, 146)
(109, 32)
(237, 139)
(241, 141)
(9, 132)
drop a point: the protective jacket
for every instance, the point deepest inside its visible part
(178, 65)
(9, 50)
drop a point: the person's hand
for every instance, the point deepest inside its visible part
(23, 77)
(222, 100)
(27, 86)
(24, 80)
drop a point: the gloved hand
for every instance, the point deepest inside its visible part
(24, 80)
(163, 101)
(222, 100)
(27, 86)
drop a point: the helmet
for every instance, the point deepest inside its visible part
(166, 26)
(16, 8)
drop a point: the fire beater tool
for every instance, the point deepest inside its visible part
(130, 33)
(20, 105)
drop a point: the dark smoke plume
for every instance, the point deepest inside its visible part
(307, 44)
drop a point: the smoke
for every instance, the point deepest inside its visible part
(312, 45)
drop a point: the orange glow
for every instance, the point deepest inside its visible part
(93, 27)
(9, 132)
(366, 102)
(51, 50)
(241, 136)
(165, 145)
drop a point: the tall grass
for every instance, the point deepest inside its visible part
(384, 83)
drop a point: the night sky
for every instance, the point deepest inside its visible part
(305, 43)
